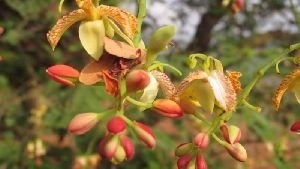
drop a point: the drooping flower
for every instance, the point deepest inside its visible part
(115, 63)
(291, 82)
(95, 21)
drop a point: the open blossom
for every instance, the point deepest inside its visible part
(291, 82)
(203, 90)
(95, 25)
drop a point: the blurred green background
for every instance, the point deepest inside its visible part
(35, 111)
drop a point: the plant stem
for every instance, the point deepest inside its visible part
(296, 15)
(137, 103)
(141, 16)
(261, 72)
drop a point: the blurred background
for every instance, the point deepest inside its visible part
(35, 111)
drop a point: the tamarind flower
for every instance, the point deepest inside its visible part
(291, 82)
(205, 90)
(117, 60)
(96, 23)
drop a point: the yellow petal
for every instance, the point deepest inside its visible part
(91, 35)
(195, 89)
(234, 79)
(290, 82)
(223, 90)
(63, 24)
(124, 19)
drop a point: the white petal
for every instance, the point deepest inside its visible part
(91, 35)
(150, 92)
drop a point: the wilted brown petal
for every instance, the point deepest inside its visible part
(92, 73)
(165, 83)
(63, 24)
(121, 49)
(124, 19)
(286, 84)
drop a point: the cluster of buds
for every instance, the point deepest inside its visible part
(191, 154)
(236, 5)
(116, 146)
(232, 136)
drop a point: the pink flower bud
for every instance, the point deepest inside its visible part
(102, 145)
(128, 147)
(145, 134)
(1, 30)
(116, 125)
(184, 161)
(231, 134)
(63, 74)
(183, 149)
(237, 151)
(201, 140)
(296, 127)
(82, 123)
(137, 80)
(111, 147)
(200, 162)
(167, 108)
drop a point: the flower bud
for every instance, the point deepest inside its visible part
(237, 151)
(102, 145)
(231, 134)
(296, 127)
(200, 162)
(63, 74)
(145, 134)
(137, 80)
(183, 149)
(111, 147)
(237, 6)
(201, 140)
(167, 108)
(116, 125)
(1, 30)
(184, 161)
(119, 156)
(128, 147)
(82, 123)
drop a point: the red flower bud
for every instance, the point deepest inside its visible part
(128, 147)
(1, 30)
(183, 149)
(237, 6)
(102, 145)
(296, 127)
(116, 125)
(237, 151)
(145, 134)
(231, 134)
(201, 140)
(167, 108)
(137, 80)
(82, 123)
(200, 162)
(63, 74)
(184, 161)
